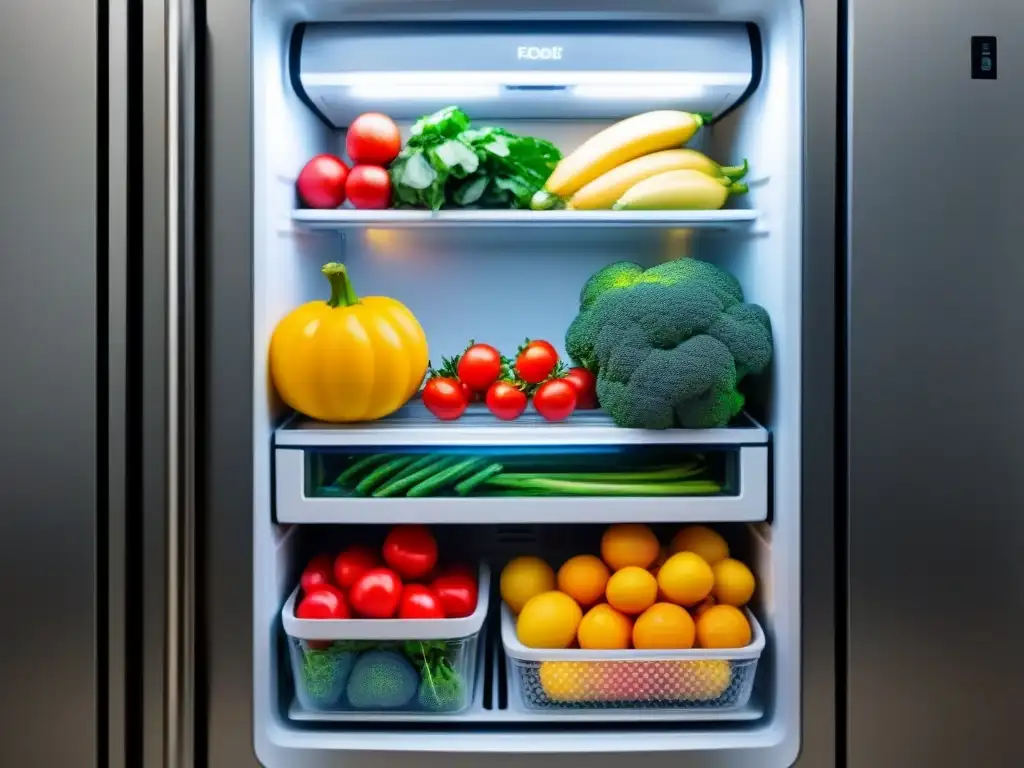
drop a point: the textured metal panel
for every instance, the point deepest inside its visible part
(49, 218)
(935, 274)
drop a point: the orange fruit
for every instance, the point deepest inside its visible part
(604, 629)
(629, 544)
(664, 625)
(583, 578)
(685, 579)
(548, 620)
(663, 555)
(523, 578)
(631, 590)
(723, 626)
(707, 602)
(702, 541)
(734, 583)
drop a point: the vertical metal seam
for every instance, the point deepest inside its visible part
(180, 152)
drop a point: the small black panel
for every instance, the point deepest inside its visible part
(983, 58)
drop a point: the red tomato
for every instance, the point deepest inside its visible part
(321, 182)
(376, 594)
(479, 366)
(317, 572)
(411, 550)
(467, 392)
(445, 398)
(536, 361)
(328, 588)
(373, 139)
(352, 563)
(457, 569)
(506, 401)
(323, 604)
(418, 602)
(369, 187)
(457, 593)
(586, 387)
(555, 400)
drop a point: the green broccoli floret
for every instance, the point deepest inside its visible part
(441, 687)
(381, 680)
(670, 349)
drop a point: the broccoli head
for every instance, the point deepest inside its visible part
(669, 344)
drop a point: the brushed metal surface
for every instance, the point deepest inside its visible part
(49, 216)
(935, 375)
(154, 375)
(818, 737)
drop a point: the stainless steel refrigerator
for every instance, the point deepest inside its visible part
(159, 501)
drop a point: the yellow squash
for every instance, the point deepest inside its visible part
(348, 358)
(604, 191)
(615, 145)
(679, 191)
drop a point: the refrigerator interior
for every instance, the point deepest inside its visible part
(503, 282)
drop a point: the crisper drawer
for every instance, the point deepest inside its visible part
(412, 468)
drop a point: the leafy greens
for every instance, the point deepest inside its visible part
(447, 162)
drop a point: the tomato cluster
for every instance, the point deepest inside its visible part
(506, 386)
(372, 142)
(400, 580)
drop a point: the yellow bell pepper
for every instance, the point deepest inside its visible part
(348, 358)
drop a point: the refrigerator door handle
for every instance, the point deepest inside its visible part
(181, 244)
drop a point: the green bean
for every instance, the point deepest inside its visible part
(359, 466)
(438, 481)
(404, 481)
(466, 486)
(382, 473)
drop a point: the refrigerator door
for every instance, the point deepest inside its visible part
(934, 276)
(62, 332)
(225, 417)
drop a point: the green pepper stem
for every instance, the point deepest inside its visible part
(735, 172)
(738, 188)
(342, 292)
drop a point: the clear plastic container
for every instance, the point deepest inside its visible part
(427, 666)
(557, 680)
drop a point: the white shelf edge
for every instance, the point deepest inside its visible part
(413, 425)
(344, 218)
(749, 506)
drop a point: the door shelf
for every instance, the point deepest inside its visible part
(348, 218)
(496, 701)
(414, 425)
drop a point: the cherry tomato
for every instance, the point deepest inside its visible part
(368, 187)
(321, 182)
(373, 139)
(323, 604)
(586, 387)
(480, 366)
(411, 550)
(445, 398)
(506, 401)
(457, 569)
(352, 563)
(418, 602)
(457, 593)
(317, 572)
(536, 361)
(555, 400)
(467, 393)
(376, 594)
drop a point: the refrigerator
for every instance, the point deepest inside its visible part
(155, 237)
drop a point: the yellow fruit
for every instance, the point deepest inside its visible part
(566, 681)
(348, 358)
(685, 579)
(706, 679)
(706, 542)
(583, 578)
(604, 191)
(734, 583)
(604, 628)
(629, 544)
(723, 626)
(664, 625)
(548, 620)
(679, 191)
(523, 578)
(632, 590)
(617, 144)
(698, 610)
